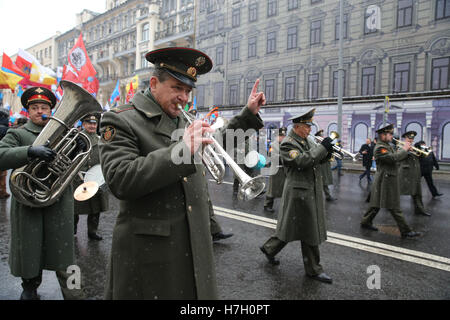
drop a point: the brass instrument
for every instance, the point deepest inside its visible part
(415, 151)
(336, 154)
(40, 183)
(249, 188)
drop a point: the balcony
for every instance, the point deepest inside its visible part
(178, 34)
(108, 79)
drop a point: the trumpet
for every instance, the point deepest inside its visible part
(415, 151)
(250, 187)
(336, 149)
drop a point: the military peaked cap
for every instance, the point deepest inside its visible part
(409, 134)
(184, 64)
(387, 129)
(306, 117)
(91, 117)
(38, 95)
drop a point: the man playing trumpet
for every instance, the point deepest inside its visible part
(385, 191)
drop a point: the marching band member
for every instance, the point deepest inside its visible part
(385, 191)
(302, 213)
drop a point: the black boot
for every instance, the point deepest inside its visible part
(30, 288)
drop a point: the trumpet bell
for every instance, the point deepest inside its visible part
(251, 188)
(334, 135)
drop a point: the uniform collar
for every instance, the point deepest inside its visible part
(297, 138)
(34, 128)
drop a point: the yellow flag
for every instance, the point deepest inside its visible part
(9, 79)
(34, 73)
(135, 82)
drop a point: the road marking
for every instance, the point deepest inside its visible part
(413, 256)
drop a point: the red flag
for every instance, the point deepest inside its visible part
(24, 65)
(26, 83)
(80, 62)
(9, 66)
(130, 93)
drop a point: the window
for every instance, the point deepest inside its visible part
(252, 47)
(219, 56)
(368, 81)
(313, 86)
(211, 24)
(316, 27)
(271, 42)
(249, 88)
(440, 73)
(144, 62)
(401, 77)
(236, 18)
(46, 52)
(446, 141)
(289, 89)
(220, 22)
(235, 50)
(218, 93)
(292, 37)
(360, 136)
(233, 94)
(271, 8)
(253, 12)
(145, 32)
(442, 9)
(292, 4)
(417, 127)
(269, 90)
(50, 51)
(335, 83)
(404, 13)
(336, 28)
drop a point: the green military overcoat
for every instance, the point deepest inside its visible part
(162, 246)
(302, 213)
(410, 176)
(385, 192)
(41, 238)
(276, 174)
(327, 176)
(99, 202)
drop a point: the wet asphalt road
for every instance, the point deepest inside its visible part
(420, 272)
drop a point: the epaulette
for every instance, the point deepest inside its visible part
(122, 108)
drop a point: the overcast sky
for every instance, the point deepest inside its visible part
(24, 23)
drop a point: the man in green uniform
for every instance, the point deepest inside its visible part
(410, 176)
(302, 213)
(385, 191)
(162, 246)
(277, 175)
(99, 202)
(41, 238)
(327, 176)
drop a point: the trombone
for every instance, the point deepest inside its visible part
(415, 151)
(336, 154)
(250, 187)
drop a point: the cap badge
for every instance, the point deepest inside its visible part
(192, 71)
(200, 61)
(39, 90)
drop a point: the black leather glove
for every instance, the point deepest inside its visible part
(327, 144)
(81, 145)
(327, 158)
(41, 152)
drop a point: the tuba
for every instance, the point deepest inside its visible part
(40, 183)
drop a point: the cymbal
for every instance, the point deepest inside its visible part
(85, 191)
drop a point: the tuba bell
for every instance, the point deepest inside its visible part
(40, 183)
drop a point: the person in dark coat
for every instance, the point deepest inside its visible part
(338, 164)
(302, 211)
(41, 237)
(327, 176)
(277, 175)
(100, 201)
(385, 191)
(367, 153)
(426, 168)
(162, 244)
(4, 126)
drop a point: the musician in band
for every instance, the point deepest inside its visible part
(100, 201)
(302, 213)
(426, 168)
(385, 191)
(162, 245)
(410, 176)
(41, 238)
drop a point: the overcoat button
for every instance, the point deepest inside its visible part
(190, 208)
(185, 179)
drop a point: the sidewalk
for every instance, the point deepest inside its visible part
(351, 166)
